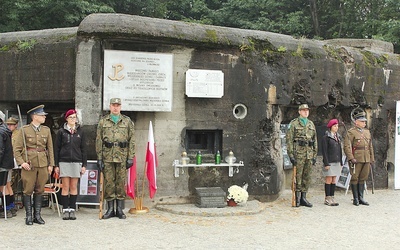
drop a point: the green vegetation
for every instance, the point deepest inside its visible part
(372, 60)
(20, 46)
(25, 45)
(313, 19)
(211, 35)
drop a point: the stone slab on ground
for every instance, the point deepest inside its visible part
(210, 197)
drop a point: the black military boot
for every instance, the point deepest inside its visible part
(110, 210)
(120, 213)
(354, 190)
(37, 201)
(28, 210)
(304, 201)
(298, 196)
(361, 188)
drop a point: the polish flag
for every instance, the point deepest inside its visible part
(151, 161)
(130, 185)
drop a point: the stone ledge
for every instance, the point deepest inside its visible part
(251, 207)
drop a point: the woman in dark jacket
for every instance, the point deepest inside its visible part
(6, 163)
(332, 156)
(71, 161)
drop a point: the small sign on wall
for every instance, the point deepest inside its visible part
(142, 80)
(204, 83)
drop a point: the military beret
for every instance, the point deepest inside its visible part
(115, 101)
(70, 112)
(303, 106)
(12, 121)
(332, 122)
(38, 110)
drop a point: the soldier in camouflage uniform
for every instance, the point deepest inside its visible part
(302, 149)
(38, 146)
(115, 149)
(360, 153)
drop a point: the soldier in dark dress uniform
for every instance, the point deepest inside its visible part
(302, 149)
(115, 148)
(360, 153)
(38, 146)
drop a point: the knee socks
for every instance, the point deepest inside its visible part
(65, 201)
(72, 201)
(333, 186)
(327, 190)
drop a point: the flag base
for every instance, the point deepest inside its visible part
(139, 208)
(138, 211)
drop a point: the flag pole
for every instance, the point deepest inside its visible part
(145, 170)
(139, 208)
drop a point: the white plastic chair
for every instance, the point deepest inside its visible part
(52, 189)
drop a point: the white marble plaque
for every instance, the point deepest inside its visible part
(142, 80)
(204, 83)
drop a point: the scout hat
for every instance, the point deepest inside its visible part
(115, 101)
(360, 116)
(303, 106)
(38, 110)
(12, 121)
(332, 122)
(2, 116)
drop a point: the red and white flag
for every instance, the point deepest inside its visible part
(130, 185)
(151, 161)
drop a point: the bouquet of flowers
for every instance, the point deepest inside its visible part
(238, 194)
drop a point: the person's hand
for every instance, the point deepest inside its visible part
(129, 163)
(100, 165)
(83, 170)
(354, 161)
(57, 169)
(293, 161)
(26, 166)
(327, 168)
(50, 169)
(314, 161)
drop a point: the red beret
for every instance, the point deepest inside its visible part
(70, 112)
(332, 122)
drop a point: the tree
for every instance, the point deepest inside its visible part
(20, 15)
(323, 19)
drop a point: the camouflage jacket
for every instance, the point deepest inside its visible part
(358, 145)
(122, 137)
(39, 146)
(301, 140)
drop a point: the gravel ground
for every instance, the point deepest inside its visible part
(274, 225)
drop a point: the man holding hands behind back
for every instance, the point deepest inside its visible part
(115, 149)
(34, 141)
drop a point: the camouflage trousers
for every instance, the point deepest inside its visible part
(114, 181)
(360, 173)
(303, 174)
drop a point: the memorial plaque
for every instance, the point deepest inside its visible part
(142, 80)
(204, 83)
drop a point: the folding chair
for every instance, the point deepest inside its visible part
(52, 189)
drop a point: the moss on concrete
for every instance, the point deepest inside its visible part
(372, 60)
